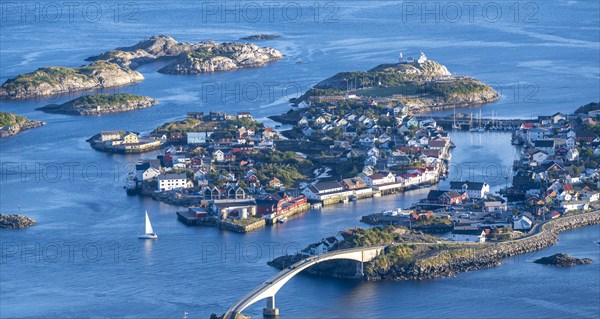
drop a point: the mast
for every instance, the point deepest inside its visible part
(454, 120)
(471, 121)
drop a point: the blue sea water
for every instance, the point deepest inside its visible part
(83, 258)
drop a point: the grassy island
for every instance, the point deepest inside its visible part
(419, 86)
(101, 104)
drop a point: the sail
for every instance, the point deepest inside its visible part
(148, 225)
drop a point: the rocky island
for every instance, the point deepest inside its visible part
(420, 86)
(55, 80)
(562, 260)
(190, 58)
(11, 124)
(261, 37)
(116, 67)
(411, 255)
(15, 221)
(98, 104)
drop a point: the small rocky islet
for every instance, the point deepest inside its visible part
(261, 37)
(99, 104)
(15, 221)
(12, 124)
(562, 260)
(117, 67)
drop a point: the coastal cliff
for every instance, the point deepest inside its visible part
(418, 262)
(55, 80)
(11, 124)
(100, 104)
(190, 58)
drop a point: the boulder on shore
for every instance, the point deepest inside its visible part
(15, 221)
(562, 260)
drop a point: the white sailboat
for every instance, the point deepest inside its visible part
(150, 234)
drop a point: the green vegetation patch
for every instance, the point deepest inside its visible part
(10, 119)
(106, 100)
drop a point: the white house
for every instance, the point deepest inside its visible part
(572, 154)
(169, 182)
(373, 152)
(522, 222)
(380, 178)
(570, 142)
(324, 246)
(218, 156)
(564, 196)
(545, 145)
(325, 190)
(574, 205)
(590, 196)
(198, 137)
(473, 189)
(371, 160)
(535, 134)
(468, 234)
(539, 157)
(495, 206)
(148, 174)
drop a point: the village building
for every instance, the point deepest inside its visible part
(169, 182)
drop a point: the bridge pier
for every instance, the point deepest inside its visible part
(270, 310)
(359, 270)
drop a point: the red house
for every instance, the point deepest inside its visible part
(278, 203)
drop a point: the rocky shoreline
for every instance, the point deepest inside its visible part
(14, 124)
(15, 221)
(99, 104)
(451, 261)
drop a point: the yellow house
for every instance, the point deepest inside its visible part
(130, 138)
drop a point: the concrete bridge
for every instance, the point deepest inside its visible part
(270, 287)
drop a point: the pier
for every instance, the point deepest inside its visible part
(462, 122)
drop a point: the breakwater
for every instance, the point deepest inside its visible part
(448, 260)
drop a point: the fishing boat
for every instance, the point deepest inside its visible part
(353, 198)
(282, 220)
(316, 205)
(150, 234)
(131, 185)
